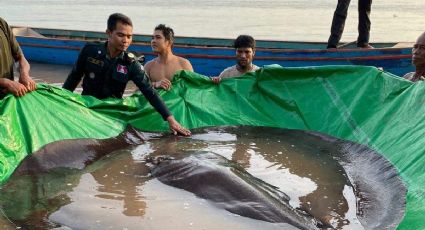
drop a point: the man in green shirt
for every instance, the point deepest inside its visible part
(10, 52)
(105, 69)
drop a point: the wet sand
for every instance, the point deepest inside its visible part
(49, 73)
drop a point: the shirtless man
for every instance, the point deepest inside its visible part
(245, 51)
(418, 60)
(162, 68)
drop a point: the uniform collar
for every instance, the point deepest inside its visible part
(120, 56)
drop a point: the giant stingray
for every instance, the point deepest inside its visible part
(229, 186)
(223, 182)
(77, 153)
(379, 189)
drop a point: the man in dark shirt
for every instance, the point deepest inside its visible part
(107, 67)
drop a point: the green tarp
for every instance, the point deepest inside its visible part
(361, 104)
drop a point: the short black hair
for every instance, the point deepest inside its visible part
(118, 17)
(244, 41)
(166, 31)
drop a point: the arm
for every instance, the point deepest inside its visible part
(142, 82)
(217, 80)
(25, 83)
(77, 72)
(13, 87)
(18, 88)
(176, 128)
(24, 74)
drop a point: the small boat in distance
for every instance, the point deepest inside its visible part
(209, 56)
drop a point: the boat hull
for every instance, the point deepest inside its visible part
(211, 58)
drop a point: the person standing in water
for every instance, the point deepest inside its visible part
(338, 23)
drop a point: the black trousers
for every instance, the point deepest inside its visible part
(338, 22)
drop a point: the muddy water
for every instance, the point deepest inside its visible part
(117, 191)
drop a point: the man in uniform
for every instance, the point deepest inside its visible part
(245, 51)
(418, 60)
(10, 52)
(107, 67)
(162, 68)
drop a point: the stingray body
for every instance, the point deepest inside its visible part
(76, 153)
(214, 178)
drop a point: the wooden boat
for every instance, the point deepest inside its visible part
(209, 56)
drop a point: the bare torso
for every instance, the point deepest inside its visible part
(159, 69)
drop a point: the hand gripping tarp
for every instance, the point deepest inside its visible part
(361, 104)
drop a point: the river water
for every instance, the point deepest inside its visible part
(295, 20)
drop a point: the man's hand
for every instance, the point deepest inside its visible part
(164, 83)
(28, 82)
(15, 88)
(216, 80)
(176, 128)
